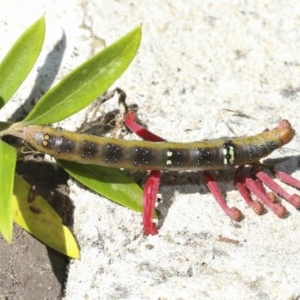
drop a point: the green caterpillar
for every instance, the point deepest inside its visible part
(145, 155)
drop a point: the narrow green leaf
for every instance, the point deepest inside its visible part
(8, 158)
(40, 219)
(19, 61)
(4, 125)
(109, 182)
(87, 82)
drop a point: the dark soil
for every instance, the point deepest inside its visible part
(29, 269)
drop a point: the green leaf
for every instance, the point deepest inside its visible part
(40, 219)
(8, 158)
(20, 60)
(4, 125)
(109, 182)
(87, 82)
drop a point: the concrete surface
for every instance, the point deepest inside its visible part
(197, 58)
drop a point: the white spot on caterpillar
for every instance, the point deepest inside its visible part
(45, 140)
(228, 153)
(168, 162)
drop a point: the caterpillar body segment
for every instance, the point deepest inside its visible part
(145, 155)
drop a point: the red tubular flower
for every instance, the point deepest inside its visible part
(245, 184)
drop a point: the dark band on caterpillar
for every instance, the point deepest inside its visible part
(202, 155)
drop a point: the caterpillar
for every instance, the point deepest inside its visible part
(146, 155)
